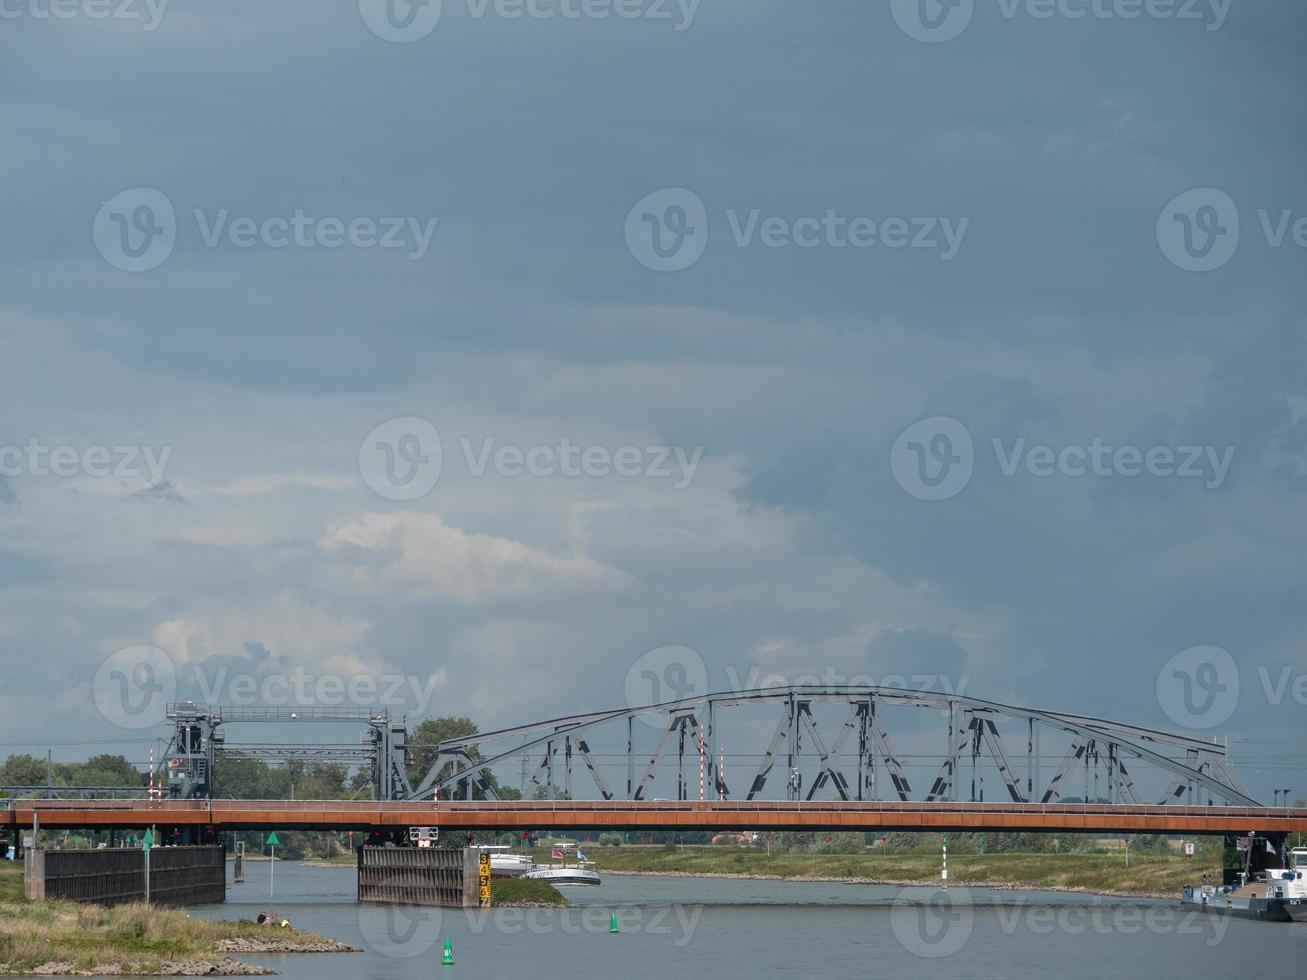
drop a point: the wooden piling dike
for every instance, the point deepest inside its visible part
(435, 876)
(112, 876)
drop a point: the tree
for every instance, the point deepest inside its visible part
(102, 770)
(423, 744)
(322, 782)
(23, 770)
(423, 749)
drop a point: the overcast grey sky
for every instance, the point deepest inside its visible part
(718, 258)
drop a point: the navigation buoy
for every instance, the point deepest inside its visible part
(448, 958)
(612, 923)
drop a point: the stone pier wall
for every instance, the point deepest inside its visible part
(444, 877)
(112, 876)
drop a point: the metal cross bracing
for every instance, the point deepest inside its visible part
(1097, 759)
(198, 741)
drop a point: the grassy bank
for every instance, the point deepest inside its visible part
(128, 939)
(335, 861)
(1162, 875)
(525, 892)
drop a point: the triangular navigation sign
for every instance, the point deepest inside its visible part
(272, 839)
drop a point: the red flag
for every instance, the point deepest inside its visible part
(557, 854)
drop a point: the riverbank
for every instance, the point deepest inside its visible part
(68, 939)
(339, 861)
(1149, 876)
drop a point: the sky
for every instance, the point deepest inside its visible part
(503, 353)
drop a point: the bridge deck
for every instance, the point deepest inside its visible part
(715, 815)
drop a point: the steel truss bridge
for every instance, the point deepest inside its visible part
(838, 751)
(1098, 760)
(835, 747)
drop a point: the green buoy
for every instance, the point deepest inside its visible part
(612, 923)
(448, 958)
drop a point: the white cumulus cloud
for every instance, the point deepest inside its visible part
(422, 551)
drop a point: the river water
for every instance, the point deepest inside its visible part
(716, 928)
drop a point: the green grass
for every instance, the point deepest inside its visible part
(130, 939)
(525, 891)
(11, 882)
(1148, 874)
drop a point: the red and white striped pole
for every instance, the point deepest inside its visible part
(703, 762)
(150, 793)
(721, 774)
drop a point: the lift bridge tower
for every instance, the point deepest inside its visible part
(199, 740)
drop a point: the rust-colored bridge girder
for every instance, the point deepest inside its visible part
(222, 815)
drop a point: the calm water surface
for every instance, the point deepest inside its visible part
(726, 928)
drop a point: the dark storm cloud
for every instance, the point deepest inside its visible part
(1059, 320)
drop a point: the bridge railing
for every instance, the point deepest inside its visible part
(429, 813)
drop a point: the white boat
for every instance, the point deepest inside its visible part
(559, 874)
(504, 863)
(580, 873)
